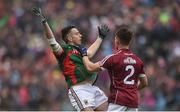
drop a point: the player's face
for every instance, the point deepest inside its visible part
(75, 36)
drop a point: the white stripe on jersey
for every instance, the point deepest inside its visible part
(116, 97)
(107, 57)
(102, 68)
(128, 54)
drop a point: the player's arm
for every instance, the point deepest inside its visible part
(90, 66)
(143, 81)
(103, 31)
(56, 48)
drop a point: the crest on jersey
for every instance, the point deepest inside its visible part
(75, 52)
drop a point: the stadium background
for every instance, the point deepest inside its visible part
(29, 76)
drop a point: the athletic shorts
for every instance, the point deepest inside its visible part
(119, 108)
(86, 95)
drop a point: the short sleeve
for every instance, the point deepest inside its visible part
(59, 54)
(106, 63)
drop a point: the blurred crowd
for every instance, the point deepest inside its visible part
(30, 78)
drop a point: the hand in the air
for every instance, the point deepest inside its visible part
(38, 12)
(103, 31)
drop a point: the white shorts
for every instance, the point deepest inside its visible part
(86, 95)
(119, 108)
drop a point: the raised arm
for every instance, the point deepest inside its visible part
(103, 31)
(90, 66)
(56, 48)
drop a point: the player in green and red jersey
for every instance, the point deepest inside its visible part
(83, 94)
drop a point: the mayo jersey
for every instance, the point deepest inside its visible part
(71, 64)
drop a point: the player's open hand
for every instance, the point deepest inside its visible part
(38, 12)
(103, 31)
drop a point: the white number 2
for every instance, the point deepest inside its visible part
(126, 81)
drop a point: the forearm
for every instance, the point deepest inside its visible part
(90, 66)
(142, 83)
(55, 47)
(48, 32)
(141, 86)
(94, 47)
(103, 31)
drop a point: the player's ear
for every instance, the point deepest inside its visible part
(116, 40)
(69, 38)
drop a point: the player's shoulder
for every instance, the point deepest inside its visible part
(108, 57)
(67, 46)
(134, 56)
(64, 45)
(138, 58)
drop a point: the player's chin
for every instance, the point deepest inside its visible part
(79, 43)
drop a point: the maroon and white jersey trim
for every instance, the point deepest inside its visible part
(105, 59)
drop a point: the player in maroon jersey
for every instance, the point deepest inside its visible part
(125, 70)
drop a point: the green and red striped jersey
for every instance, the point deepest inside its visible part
(71, 64)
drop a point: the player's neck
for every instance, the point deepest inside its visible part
(71, 43)
(123, 47)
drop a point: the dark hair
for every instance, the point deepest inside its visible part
(65, 31)
(124, 35)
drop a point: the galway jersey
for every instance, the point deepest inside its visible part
(71, 64)
(124, 69)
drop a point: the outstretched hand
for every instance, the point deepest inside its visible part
(38, 12)
(103, 31)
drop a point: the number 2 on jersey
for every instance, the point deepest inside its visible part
(126, 81)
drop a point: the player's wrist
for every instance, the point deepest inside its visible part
(101, 36)
(43, 21)
(103, 31)
(83, 52)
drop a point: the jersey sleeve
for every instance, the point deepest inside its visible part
(106, 63)
(60, 56)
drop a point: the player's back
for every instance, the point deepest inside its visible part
(124, 70)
